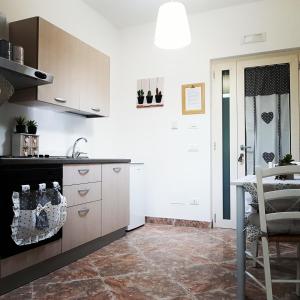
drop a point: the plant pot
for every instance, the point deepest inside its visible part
(141, 99)
(32, 129)
(149, 99)
(287, 176)
(158, 98)
(20, 128)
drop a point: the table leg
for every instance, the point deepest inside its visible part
(240, 242)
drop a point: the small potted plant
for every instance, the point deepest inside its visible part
(31, 126)
(158, 96)
(149, 97)
(21, 124)
(140, 96)
(286, 161)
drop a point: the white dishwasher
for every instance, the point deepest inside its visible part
(137, 196)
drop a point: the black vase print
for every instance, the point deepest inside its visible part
(158, 96)
(268, 157)
(149, 97)
(140, 96)
(267, 117)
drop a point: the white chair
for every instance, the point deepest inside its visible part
(280, 225)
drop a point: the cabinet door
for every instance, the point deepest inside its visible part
(95, 80)
(59, 54)
(115, 197)
(83, 225)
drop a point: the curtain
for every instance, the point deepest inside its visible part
(267, 107)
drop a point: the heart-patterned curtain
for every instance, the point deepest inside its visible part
(267, 105)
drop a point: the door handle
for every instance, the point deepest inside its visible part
(61, 100)
(83, 171)
(83, 192)
(83, 212)
(244, 148)
(96, 109)
(117, 170)
(241, 158)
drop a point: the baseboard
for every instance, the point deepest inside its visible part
(178, 222)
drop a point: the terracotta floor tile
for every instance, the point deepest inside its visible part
(78, 270)
(158, 262)
(81, 289)
(148, 284)
(24, 293)
(204, 278)
(120, 265)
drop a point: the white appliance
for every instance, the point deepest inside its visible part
(137, 196)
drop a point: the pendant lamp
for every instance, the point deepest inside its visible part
(172, 27)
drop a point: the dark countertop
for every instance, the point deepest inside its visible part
(59, 160)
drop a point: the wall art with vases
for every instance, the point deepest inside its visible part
(150, 92)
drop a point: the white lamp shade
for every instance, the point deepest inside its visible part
(172, 27)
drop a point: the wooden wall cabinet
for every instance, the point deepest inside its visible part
(115, 197)
(81, 73)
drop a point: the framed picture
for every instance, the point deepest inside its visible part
(150, 92)
(193, 98)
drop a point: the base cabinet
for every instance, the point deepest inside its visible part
(115, 197)
(83, 225)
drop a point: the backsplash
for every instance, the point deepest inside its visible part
(57, 131)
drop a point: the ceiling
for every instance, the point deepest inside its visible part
(124, 13)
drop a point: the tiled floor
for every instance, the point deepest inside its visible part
(153, 262)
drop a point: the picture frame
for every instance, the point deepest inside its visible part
(150, 93)
(193, 98)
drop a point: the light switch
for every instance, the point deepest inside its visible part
(193, 148)
(174, 125)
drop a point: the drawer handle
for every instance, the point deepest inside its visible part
(117, 170)
(95, 109)
(83, 192)
(60, 100)
(83, 212)
(83, 171)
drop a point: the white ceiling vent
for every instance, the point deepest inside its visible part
(254, 38)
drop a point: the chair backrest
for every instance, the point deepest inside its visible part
(273, 196)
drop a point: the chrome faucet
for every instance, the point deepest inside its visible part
(76, 154)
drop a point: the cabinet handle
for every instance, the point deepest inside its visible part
(61, 100)
(83, 192)
(83, 171)
(83, 212)
(95, 109)
(117, 170)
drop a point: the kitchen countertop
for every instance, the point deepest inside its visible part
(58, 160)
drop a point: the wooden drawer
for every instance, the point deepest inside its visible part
(82, 193)
(83, 225)
(76, 174)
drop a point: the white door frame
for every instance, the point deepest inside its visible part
(236, 67)
(217, 149)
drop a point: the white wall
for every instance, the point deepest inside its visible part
(58, 131)
(174, 175)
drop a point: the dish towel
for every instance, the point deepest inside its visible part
(38, 214)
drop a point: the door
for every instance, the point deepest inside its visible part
(95, 81)
(59, 55)
(115, 197)
(250, 130)
(268, 117)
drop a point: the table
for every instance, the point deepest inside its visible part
(240, 224)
